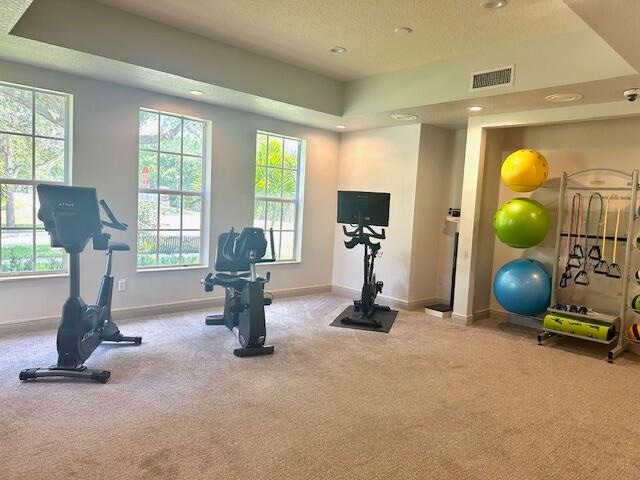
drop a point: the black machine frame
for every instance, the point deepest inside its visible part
(371, 208)
(71, 217)
(236, 259)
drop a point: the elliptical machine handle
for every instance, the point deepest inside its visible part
(114, 223)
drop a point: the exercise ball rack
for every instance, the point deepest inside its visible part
(619, 343)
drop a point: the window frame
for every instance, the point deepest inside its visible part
(203, 194)
(33, 182)
(298, 201)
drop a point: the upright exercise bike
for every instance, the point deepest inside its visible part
(71, 216)
(236, 259)
(366, 307)
(363, 210)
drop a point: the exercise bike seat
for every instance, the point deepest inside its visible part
(118, 247)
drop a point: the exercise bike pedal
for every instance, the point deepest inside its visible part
(267, 301)
(379, 286)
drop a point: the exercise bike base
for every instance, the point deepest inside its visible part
(82, 372)
(253, 351)
(362, 319)
(214, 320)
(119, 338)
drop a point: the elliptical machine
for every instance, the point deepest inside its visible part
(367, 208)
(237, 255)
(71, 217)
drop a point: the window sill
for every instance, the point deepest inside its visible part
(39, 276)
(173, 269)
(284, 262)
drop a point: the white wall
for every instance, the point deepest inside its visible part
(380, 160)
(105, 143)
(421, 166)
(454, 184)
(486, 236)
(433, 185)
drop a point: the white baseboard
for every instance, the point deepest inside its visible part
(126, 314)
(499, 315)
(459, 319)
(423, 302)
(392, 302)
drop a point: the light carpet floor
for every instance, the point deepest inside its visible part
(430, 400)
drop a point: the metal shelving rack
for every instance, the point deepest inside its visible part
(619, 341)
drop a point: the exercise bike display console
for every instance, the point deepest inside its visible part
(363, 210)
(71, 216)
(236, 259)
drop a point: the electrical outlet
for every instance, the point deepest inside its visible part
(122, 285)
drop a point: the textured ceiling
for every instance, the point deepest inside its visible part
(301, 31)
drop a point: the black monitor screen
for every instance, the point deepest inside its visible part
(77, 207)
(373, 206)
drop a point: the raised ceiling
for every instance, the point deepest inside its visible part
(554, 50)
(300, 32)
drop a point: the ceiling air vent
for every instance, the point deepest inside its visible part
(497, 77)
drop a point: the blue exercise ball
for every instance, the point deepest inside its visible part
(523, 287)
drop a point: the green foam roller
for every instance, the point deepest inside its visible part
(578, 327)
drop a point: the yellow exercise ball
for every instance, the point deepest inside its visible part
(524, 170)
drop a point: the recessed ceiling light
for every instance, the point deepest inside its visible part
(403, 30)
(337, 49)
(405, 117)
(196, 92)
(475, 108)
(494, 4)
(563, 97)
(341, 127)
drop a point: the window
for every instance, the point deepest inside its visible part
(34, 149)
(278, 192)
(171, 188)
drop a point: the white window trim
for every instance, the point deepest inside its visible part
(204, 194)
(298, 200)
(39, 274)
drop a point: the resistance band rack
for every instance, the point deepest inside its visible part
(619, 342)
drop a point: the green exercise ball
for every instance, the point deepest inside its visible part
(521, 223)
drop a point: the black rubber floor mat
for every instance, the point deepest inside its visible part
(386, 320)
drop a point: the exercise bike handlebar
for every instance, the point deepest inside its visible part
(358, 236)
(114, 222)
(374, 234)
